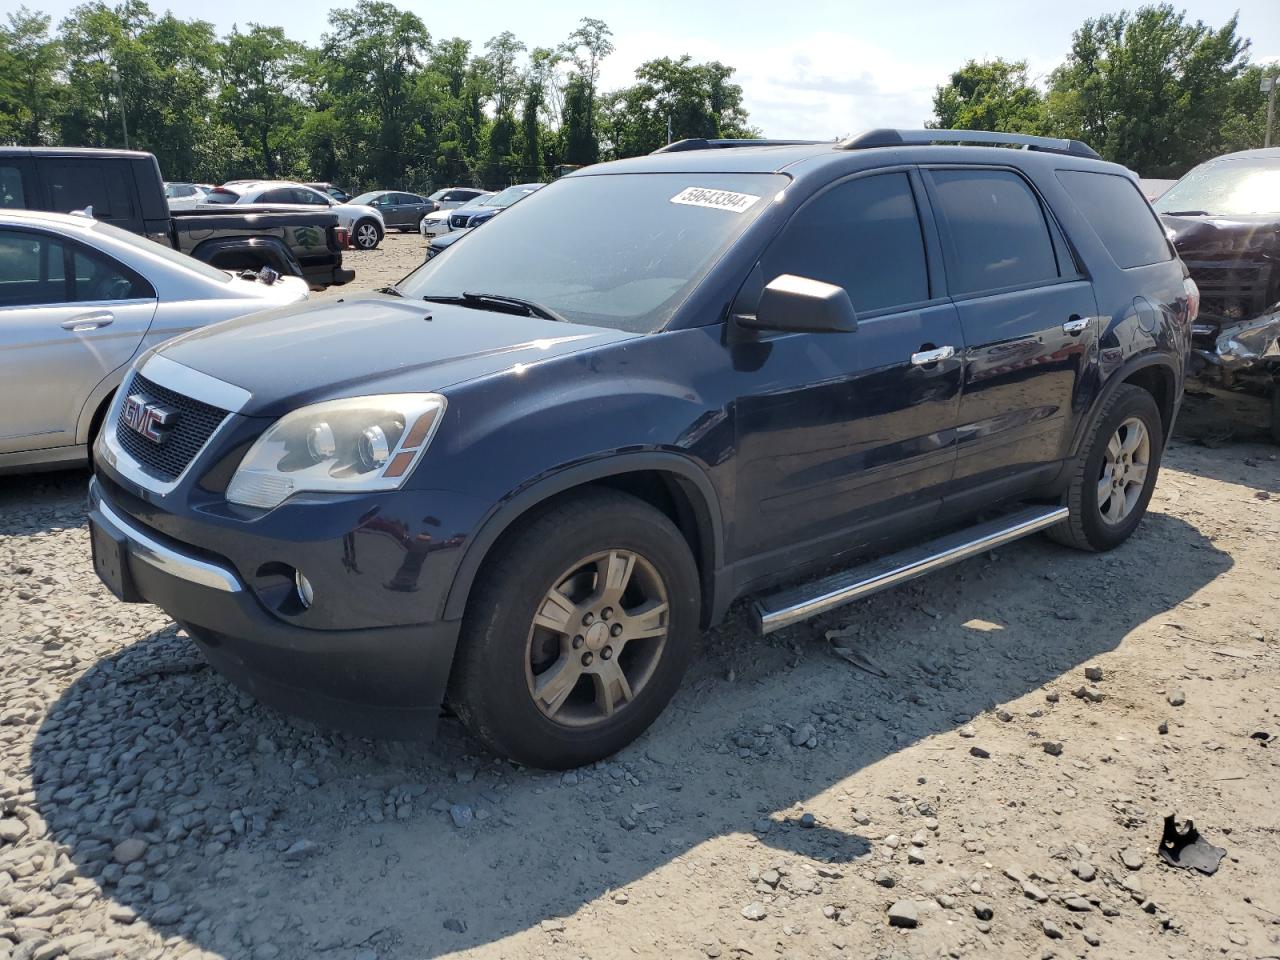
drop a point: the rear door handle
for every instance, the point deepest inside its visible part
(1077, 324)
(925, 357)
(89, 321)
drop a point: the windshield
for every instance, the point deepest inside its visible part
(639, 245)
(365, 198)
(155, 249)
(1226, 188)
(507, 197)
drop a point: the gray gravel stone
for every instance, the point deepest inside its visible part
(129, 851)
(904, 913)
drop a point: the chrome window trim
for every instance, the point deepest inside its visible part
(165, 559)
(192, 383)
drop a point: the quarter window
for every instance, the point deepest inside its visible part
(1119, 215)
(996, 231)
(863, 235)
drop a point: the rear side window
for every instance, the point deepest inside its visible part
(31, 269)
(12, 196)
(863, 235)
(100, 278)
(1119, 215)
(995, 229)
(101, 184)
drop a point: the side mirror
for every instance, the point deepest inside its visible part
(801, 305)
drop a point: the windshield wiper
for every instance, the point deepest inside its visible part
(499, 301)
(1185, 213)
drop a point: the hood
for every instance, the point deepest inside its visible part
(309, 352)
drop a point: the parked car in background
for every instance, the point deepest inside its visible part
(438, 245)
(437, 222)
(403, 211)
(181, 195)
(655, 386)
(451, 198)
(474, 216)
(124, 188)
(364, 224)
(79, 299)
(329, 189)
(1224, 219)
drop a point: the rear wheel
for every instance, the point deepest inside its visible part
(576, 638)
(366, 235)
(1115, 473)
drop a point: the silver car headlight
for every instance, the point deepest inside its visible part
(343, 446)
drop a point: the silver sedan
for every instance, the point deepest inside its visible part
(79, 300)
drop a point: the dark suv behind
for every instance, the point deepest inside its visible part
(523, 489)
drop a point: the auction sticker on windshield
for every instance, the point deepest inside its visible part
(716, 199)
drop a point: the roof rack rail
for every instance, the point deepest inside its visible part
(701, 143)
(887, 137)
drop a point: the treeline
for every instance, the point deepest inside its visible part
(378, 103)
(1148, 89)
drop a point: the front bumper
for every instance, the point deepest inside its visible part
(380, 681)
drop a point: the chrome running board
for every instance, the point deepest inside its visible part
(794, 604)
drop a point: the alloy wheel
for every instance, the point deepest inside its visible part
(596, 638)
(1124, 470)
(366, 236)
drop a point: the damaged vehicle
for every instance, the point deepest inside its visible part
(1224, 219)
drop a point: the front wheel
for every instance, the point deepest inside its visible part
(1114, 474)
(367, 235)
(577, 635)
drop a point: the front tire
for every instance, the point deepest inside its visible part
(577, 634)
(367, 234)
(1114, 474)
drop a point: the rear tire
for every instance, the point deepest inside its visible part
(537, 677)
(1114, 474)
(366, 234)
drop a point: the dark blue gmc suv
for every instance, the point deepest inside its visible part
(521, 480)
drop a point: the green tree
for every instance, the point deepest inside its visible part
(693, 99)
(261, 75)
(30, 62)
(989, 95)
(1149, 89)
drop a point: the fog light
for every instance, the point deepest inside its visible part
(305, 592)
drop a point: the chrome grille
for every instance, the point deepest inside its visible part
(195, 425)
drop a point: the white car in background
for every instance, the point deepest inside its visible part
(363, 224)
(437, 222)
(79, 300)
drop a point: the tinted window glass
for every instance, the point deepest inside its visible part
(309, 197)
(1119, 215)
(31, 269)
(863, 235)
(632, 279)
(998, 234)
(11, 193)
(99, 278)
(283, 195)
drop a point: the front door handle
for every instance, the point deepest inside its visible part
(1077, 324)
(89, 321)
(923, 358)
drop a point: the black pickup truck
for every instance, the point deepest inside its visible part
(125, 189)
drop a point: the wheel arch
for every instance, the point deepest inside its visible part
(1154, 372)
(672, 484)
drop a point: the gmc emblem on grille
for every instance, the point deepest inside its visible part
(152, 420)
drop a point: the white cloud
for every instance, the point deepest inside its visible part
(818, 86)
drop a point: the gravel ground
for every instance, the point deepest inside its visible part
(990, 779)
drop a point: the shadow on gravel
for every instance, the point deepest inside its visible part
(38, 502)
(253, 836)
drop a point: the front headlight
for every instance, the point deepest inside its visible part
(343, 446)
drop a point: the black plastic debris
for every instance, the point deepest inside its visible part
(1262, 737)
(1184, 847)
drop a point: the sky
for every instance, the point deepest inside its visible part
(808, 69)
